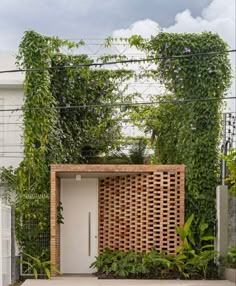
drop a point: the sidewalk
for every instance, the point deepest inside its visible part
(92, 281)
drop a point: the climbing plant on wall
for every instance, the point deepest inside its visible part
(189, 131)
(39, 116)
(92, 128)
(231, 170)
(182, 132)
(54, 132)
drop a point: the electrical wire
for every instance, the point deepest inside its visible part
(126, 122)
(128, 61)
(120, 104)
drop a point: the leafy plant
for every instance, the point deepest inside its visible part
(52, 135)
(190, 244)
(199, 253)
(201, 261)
(38, 266)
(119, 263)
(60, 218)
(231, 168)
(137, 151)
(186, 235)
(155, 264)
(163, 265)
(185, 127)
(186, 124)
(231, 256)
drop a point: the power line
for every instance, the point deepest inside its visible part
(126, 122)
(11, 131)
(8, 117)
(130, 61)
(9, 146)
(11, 123)
(15, 157)
(119, 104)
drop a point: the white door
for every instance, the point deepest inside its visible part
(79, 232)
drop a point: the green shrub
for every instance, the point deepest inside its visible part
(200, 263)
(38, 266)
(119, 263)
(231, 257)
(154, 264)
(162, 265)
(198, 248)
(194, 259)
(195, 240)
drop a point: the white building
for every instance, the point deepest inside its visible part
(11, 98)
(11, 153)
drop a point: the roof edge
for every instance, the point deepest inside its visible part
(114, 168)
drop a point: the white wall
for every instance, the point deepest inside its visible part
(11, 97)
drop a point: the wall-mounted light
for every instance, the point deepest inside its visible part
(78, 177)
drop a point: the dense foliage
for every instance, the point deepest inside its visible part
(193, 260)
(38, 266)
(92, 127)
(33, 184)
(231, 257)
(155, 265)
(186, 126)
(68, 118)
(231, 170)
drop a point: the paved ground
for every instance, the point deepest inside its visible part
(91, 281)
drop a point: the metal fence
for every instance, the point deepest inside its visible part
(5, 244)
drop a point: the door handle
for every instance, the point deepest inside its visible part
(89, 234)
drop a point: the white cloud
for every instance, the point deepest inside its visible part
(218, 17)
(145, 28)
(219, 9)
(212, 19)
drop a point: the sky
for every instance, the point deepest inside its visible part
(75, 19)
(98, 19)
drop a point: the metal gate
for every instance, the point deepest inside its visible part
(5, 244)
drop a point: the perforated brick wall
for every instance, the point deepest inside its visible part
(141, 211)
(138, 210)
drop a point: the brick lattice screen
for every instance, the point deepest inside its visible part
(141, 211)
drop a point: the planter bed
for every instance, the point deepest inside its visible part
(166, 276)
(230, 274)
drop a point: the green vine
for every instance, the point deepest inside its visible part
(55, 135)
(32, 189)
(231, 170)
(188, 131)
(182, 132)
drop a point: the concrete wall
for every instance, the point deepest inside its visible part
(231, 220)
(222, 219)
(226, 219)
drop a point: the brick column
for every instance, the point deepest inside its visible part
(55, 227)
